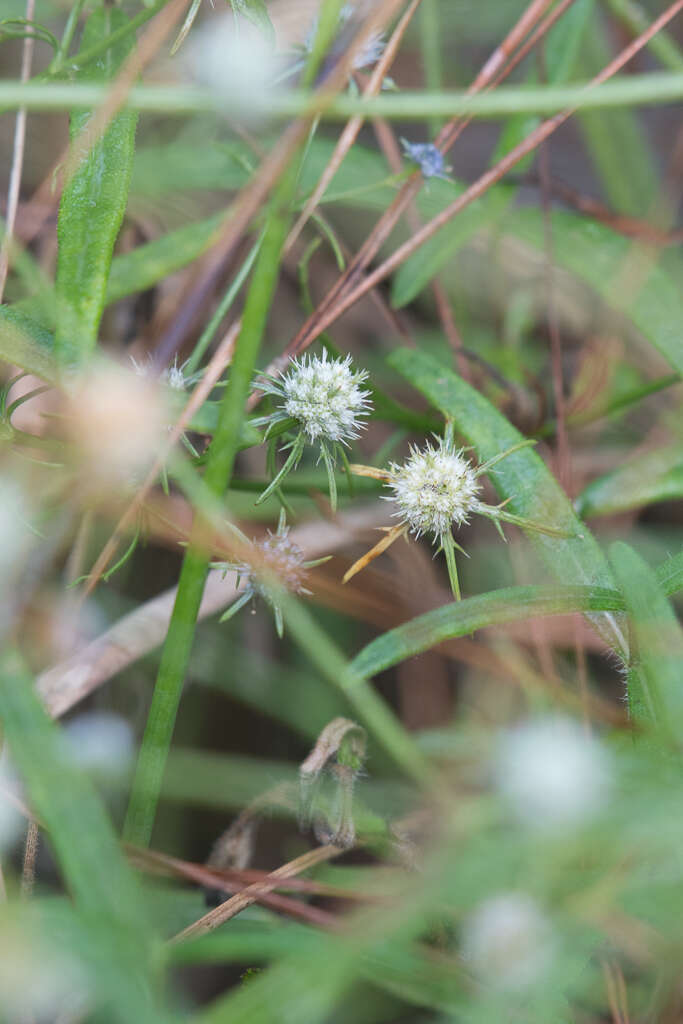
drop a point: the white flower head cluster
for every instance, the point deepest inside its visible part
(434, 489)
(508, 941)
(551, 773)
(325, 397)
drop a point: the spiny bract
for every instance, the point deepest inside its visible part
(325, 397)
(434, 489)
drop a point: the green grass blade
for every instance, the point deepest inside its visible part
(645, 480)
(26, 343)
(523, 477)
(368, 707)
(511, 604)
(142, 268)
(93, 205)
(103, 888)
(161, 721)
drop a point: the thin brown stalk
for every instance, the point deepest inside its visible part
(148, 46)
(236, 904)
(28, 874)
(162, 864)
(350, 133)
(135, 634)
(240, 213)
(479, 187)
(17, 156)
(312, 328)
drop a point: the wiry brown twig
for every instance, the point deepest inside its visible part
(324, 318)
(17, 156)
(219, 915)
(334, 304)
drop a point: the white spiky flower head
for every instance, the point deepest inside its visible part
(326, 398)
(435, 489)
(321, 401)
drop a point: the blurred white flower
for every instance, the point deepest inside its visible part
(552, 773)
(508, 941)
(117, 420)
(100, 742)
(37, 980)
(232, 57)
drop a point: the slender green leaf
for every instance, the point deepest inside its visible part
(93, 205)
(162, 715)
(511, 604)
(523, 477)
(256, 12)
(26, 343)
(655, 684)
(145, 266)
(83, 839)
(649, 478)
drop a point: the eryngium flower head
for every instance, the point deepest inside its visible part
(434, 489)
(325, 397)
(282, 558)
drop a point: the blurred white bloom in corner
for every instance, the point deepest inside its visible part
(100, 742)
(231, 56)
(552, 773)
(117, 420)
(508, 941)
(39, 980)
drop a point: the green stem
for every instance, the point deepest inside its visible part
(226, 302)
(83, 57)
(161, 721)
(67, 38)
(623, 91)
(368, 707)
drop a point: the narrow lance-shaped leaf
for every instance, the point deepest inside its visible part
(649, 478)
(93, 204)
(511, 604)
(523, 478)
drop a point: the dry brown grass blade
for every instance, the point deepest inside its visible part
(139, 632)
(312, 328)
(251, 199)
(236, 904)
(489, 178)
(392, 534)
(350, 133)
(237, 881)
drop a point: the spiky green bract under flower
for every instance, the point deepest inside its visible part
(326, 404)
